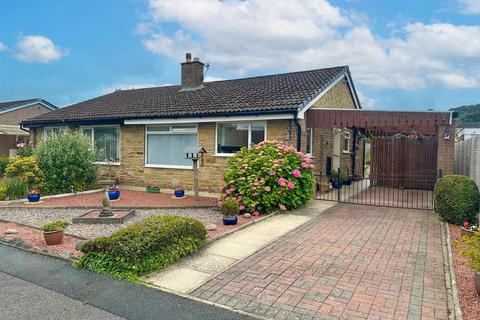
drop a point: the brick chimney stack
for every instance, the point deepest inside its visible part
(192, 73)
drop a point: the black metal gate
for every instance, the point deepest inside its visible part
(402, 173)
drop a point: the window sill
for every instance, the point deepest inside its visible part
(225, 154)
(108, 163)
(345, 152)
(158, 166)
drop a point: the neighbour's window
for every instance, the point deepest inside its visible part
(309, 146)
(346, 142)
(166, 145)
(231, 137)
(50, 131)
(106, 142)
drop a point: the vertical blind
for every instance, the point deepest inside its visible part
(168, 149)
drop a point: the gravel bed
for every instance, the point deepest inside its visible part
(38, 216)
(469, 300)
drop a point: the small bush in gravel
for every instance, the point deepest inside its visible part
(144, 247)
(457, 199)
(269, 176)
(67, 163)
(470, 248)
(230, 207)
(57, 225)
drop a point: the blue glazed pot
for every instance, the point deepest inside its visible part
(114, 195)
(336, 185)
(228, 221)
(33, 197)
(348, 180)
(179, 193)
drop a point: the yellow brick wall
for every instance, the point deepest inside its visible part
(338, 97)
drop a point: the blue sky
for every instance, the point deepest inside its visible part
(402, 54)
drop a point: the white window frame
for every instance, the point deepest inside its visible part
(219, 154)
(311, 143)
(348, 137)
(45, 129)
(170, 132)
(113, 163)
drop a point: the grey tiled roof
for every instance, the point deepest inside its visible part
(280, 92)
(8, 105)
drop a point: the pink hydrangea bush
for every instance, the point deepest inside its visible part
(269, 176)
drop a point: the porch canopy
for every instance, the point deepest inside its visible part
(385, 121)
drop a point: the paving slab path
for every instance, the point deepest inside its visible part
(212, 260)
(351, 262)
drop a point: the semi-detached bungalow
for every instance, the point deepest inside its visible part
(141, 134)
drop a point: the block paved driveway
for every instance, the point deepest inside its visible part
(352, 262)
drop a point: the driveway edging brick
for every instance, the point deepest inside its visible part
(450, 280)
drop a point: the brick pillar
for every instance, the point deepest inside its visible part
(445, 150)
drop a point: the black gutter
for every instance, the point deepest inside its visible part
(32, 124)
(299, 131)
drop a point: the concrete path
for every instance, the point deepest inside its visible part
(34, 286)
(222, 254)
(352, 262)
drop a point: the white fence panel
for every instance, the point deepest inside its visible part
(467, 158)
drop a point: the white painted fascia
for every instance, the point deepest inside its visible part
(209, 119)
(28, 105)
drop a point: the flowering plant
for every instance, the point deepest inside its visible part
(268, 176)
(471, 227)
(35, 191)
(114, 187)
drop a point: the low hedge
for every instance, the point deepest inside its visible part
(141, 248)
(457, 199)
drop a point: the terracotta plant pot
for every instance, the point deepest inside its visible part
(228, 221)
(53, 237)
(476, 280)
(466, 232)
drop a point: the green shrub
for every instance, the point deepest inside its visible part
(457, 199)
(57, 225)
(3, 165)
(470, 248)
(67, 163)
(144, 247)
(26, 169)
(230, 207)
(3, 189)
(269, 176)
(16, 188)
(25, 150)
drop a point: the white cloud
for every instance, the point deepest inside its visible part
(213, 78)
(366, 102)
(3, 47)
(469, 6)
(38, 49)
(240, 36)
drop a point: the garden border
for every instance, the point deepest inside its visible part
(453, 301)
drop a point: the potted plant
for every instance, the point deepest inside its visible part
(153, 189)
(468, 229)
(337, 178)
(53, 232)
(113, 192)
(34, 195)
(179, 192)
(348, 180)
(230, 209)
(470, 248)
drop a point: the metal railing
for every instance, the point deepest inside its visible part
(413, 193)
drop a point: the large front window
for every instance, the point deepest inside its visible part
(106, 142)
(166, 145)
(231, 137)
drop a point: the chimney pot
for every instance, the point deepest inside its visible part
(196, 59)
(188, 57)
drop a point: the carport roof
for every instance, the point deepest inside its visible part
(376, 120)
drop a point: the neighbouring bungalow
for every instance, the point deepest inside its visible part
(11, 114)
(141, 134)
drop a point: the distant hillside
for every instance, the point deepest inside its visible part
(467, 114)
